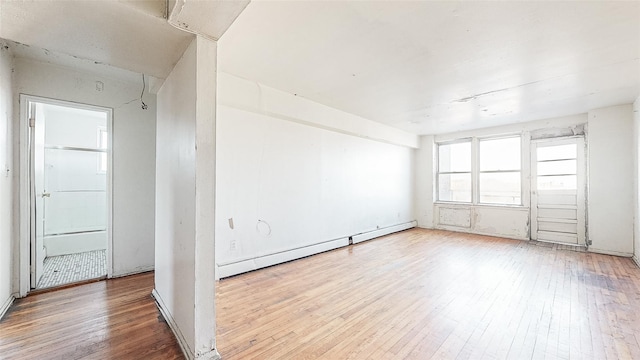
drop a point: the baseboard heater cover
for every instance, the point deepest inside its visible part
(238, 267)
(384, 231)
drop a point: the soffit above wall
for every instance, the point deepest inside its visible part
(209, 18)
(22, 51)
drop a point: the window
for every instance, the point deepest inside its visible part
(557, 167)
(480, 171)
(454, 171)
(499, 176)
(102, 156)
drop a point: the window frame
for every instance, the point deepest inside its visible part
(475, 170)
(103, 147)
(479, 171)
(438, 172)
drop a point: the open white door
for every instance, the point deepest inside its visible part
(558, 190)
(38, 193)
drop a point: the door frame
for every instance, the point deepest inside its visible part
(25, 183)
(581, 172)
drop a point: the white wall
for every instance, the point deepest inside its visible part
(254, 97)
(610, 197)
(185, 198)
(424, 184)
(636, 178)
(7, 173)
(505, 221)
(286, 183)
(610, 182)
(133, 150)
(175, 194)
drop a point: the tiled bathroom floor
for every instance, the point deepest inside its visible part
(65, 269)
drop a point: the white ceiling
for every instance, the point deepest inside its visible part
(436, 67)
(425, 67)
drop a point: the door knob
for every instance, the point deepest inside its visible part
(46, 194)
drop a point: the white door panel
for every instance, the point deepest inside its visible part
(553, 199)
(560, 213)
(557, 227)
(558, 190)
(557, 237)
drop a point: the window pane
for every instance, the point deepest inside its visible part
(500, 188)
(562, 167)
(102, 142)
(454, 157)
(102, 164)
(500, 154)
(557, 152)
(569, 182)
(454, 187)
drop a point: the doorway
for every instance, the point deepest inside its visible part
(558, 190)
(69, 177)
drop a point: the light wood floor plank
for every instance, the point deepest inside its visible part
(418, 294)
(423, 294)
(112, 319)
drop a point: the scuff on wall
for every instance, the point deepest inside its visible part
(455, 216)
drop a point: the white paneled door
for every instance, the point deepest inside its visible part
(558, 190)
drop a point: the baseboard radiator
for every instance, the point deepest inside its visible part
(249, 264)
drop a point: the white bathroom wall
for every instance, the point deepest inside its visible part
(133, 148)
(288, 186)
(76, 210)
(611, 178)
(7, 174)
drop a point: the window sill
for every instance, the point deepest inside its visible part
(462, 204)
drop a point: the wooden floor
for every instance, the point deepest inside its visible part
(111, 319)
(418, 294)
(424, 294)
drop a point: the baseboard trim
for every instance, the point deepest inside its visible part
(383, 231)
(5, 307)
(186, 350)
(140, 270)
(609, 252)
(636, 260)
